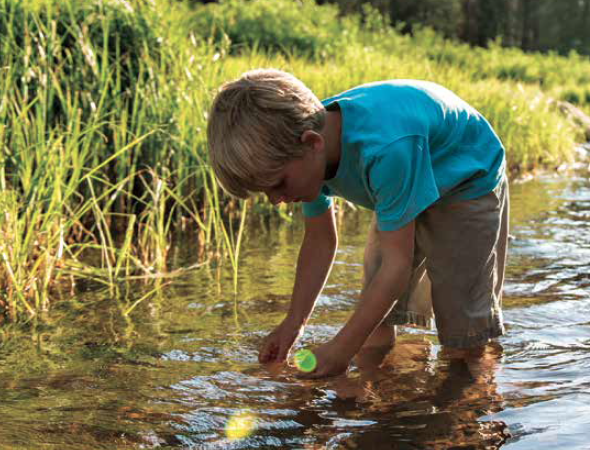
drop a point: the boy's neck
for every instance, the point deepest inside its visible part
(331, 133)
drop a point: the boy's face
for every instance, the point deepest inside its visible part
(300, 179)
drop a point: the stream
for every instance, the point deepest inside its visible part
(181, 370)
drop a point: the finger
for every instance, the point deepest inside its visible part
(283, 353)
(268, 353)
(317, 372)
(309, 375)
(263, 354)
(320, 373)
(317, 375)
(269, 356)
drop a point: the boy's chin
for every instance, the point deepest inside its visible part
(311, 197)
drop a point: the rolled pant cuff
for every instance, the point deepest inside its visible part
(472, 340)
(410, 318)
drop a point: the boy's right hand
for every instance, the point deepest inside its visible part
(276, 346)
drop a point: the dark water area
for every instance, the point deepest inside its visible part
(181, 369)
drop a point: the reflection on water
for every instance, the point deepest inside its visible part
(182, 366)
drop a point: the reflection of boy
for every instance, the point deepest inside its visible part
(428, 164)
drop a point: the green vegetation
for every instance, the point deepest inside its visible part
(103, 107)
(538, 25)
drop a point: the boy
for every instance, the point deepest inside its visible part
(428, 164)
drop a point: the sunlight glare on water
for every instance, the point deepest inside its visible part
(240, 426)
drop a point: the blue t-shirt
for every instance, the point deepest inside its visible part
(405, 145)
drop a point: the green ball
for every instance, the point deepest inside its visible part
(305, 360)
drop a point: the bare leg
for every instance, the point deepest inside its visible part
(481, 360)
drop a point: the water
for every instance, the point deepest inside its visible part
(174, 373)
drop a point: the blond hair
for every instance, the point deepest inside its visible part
(255, 127)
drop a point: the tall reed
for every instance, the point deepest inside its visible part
(94, 171)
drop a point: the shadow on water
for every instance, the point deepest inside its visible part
(175, 372)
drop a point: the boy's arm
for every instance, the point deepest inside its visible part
(390, 281)
(313, 266)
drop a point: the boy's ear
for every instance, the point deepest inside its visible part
(312, 139)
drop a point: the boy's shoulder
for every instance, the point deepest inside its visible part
(387, 88)
(375, 115)
(402, 97)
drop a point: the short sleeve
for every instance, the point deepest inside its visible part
(317, 207)
(401, 181)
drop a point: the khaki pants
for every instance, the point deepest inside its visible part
(458, 270)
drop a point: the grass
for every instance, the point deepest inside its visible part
(94, 169)
(103, 113)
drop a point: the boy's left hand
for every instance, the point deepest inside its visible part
(331, 361)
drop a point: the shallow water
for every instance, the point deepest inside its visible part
(175, 372)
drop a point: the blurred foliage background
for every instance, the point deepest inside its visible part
(533, 25)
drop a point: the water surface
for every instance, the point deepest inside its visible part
(173, 373)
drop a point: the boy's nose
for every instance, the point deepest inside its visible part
(275, 198)
(281, 199)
